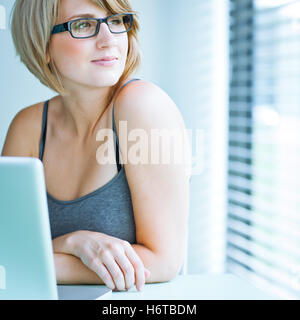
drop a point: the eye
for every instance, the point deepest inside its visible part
(116, 21)
(81, 25)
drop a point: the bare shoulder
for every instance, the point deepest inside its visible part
(142, 90)
(23, 134)
(144, 99)
(145, 106)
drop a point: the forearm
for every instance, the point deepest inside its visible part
(71, 270)
(161, 270)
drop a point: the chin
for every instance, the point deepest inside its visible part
(104, 82)
(109, 80)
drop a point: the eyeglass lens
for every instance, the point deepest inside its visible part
(86, 28)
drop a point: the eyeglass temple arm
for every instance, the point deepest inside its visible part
(60, 28)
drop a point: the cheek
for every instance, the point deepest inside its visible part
(67, 53)
(125, 45)
(124, 49)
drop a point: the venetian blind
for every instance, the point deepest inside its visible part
(263, 225)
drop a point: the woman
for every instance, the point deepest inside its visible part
(111, 224)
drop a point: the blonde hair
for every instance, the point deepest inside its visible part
(31, 25)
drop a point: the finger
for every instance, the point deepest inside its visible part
(138, 267)
(100, 269)
(106, 277)
(126, 267)
(147, 273)
(114, 269)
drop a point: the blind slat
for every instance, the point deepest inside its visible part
(263, 225)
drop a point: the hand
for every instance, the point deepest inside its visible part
(147, 274)
(112, 259)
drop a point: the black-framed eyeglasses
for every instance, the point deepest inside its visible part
(83, 28)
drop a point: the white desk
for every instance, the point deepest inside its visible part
(196, 287)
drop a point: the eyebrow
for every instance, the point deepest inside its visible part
(84, 15)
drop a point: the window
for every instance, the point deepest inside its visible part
(263, 225)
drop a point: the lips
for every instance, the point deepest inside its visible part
(108, 58)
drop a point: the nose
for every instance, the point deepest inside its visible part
(105, 37)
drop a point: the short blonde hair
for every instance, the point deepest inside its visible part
(31, 25)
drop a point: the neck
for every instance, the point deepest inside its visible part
(83, 109)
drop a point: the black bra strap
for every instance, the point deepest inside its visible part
(116, 138)
(44, 130)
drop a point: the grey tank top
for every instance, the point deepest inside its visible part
(108, 209)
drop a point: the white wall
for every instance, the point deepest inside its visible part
(18, 87)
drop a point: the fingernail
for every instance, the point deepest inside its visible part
(141, 288)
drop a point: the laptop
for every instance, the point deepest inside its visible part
(27, 270)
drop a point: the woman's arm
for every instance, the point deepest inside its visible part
(23, 133)
(112, 260)
(151, 147)
(70, 270)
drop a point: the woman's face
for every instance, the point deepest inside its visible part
(73, 57)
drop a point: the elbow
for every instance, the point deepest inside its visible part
(172, 272)
(174, 264)
(175, 269)
(170, 269)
